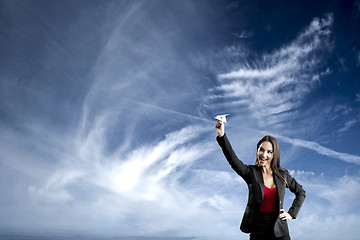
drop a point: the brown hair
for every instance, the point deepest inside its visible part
(275, 163)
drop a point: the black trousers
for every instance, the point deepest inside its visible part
(264, 229)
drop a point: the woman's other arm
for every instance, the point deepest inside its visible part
(300, 196)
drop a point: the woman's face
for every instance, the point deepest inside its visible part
(265, 154)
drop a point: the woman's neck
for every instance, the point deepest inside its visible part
(267, 170)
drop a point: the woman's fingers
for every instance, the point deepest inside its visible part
(284, 215)
(219, 126)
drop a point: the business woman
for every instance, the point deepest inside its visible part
(264, 217)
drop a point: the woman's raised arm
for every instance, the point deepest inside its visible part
(239, 167)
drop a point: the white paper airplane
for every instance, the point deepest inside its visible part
(222, 117)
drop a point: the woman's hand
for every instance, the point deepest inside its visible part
(220, 128)
(284, 215)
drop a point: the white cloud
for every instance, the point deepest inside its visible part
(339, 226)
(55, 187)
(143, 191)
(328, 194)
(301, 174)
(140, 175)
(151, 175)
(357, 97)
(347, 125)
(321, 149)
(244, 34)
(277, 82)
(329, 203)
(145, 185)
(271, 88)
(344, 194)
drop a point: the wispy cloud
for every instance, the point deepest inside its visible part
(244, 34)
(275, 85)
(320, 212)
(329, 227)
(141, 173)
(347, 125)
(357, 97)
(321, 149)
(278, 81)
(344, 192)
(55, 188)
(146, 183)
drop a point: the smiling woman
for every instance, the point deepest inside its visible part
(264, 217)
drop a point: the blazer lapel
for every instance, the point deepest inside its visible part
(280, 186)
(260, 182)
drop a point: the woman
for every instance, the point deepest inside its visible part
(264, 217)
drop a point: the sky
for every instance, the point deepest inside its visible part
(107, 115)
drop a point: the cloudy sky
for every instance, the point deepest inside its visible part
(107, 114)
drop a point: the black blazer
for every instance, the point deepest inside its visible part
(252, 175)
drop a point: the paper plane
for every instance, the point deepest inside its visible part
(222, 117)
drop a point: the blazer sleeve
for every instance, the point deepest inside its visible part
(239, 167)
(300, 196)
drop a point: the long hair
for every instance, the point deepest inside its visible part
(275, 163)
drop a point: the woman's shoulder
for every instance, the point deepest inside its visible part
(284, 173)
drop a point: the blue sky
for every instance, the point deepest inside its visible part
(107, 114)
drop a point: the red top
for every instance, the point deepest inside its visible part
(269, 200)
